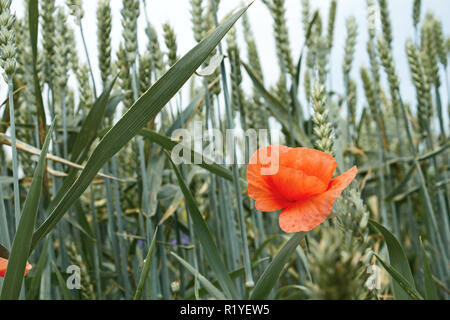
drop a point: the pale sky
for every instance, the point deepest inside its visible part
(177, 13)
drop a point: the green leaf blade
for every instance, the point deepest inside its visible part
(271, 274)
(146, 268)
(430, 288)
(397, 258)
(22, 240)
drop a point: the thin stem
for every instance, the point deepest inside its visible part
(88, 60)
(14, 151)
(64, 120)
(4, 233)
(98, 245)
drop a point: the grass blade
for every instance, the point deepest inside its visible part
(406, 286)
(430, 288)
(271, 274)
(33, 291)
(398, 260)
(22, 240)
(205, 282)
(146, 267)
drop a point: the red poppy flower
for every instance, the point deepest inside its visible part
(300, 185)
(4, 264)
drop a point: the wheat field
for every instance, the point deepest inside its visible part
(111, 186)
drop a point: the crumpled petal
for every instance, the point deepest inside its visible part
(4, 265)
(294, 184)
(312, 162)
(260, 186)
(307, 214)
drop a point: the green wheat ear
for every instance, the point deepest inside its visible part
(197, 19)
(323, 129)
(130, 13)
(277, 8)
(389, 66)
(145, 72)
(62, 49)
(157, 56)
(429, 49)
(331, 23)
(237, 94)
(416, 12)
(48, 10)
(385, 22)
(123, 66)
(257, 114)
(104, 25)
(84, 87)
(422, 87)
(344, 245)
(171, 43)
(76, 9)
(7, 41)
(439, 41)
(350, 43)
(306, 15)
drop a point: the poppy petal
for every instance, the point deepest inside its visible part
(341, 182)
(28, 268)
(295, 184)
(260, 186)
(266, 199)
(312, 162)
(307, 214)
(4, 265)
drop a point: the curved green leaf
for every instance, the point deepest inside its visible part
(270, 276)
(22, 241)
(398, 260)
(212, 289)
(146, 267)
(33, 290)
(430, 288)
(406, 286)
